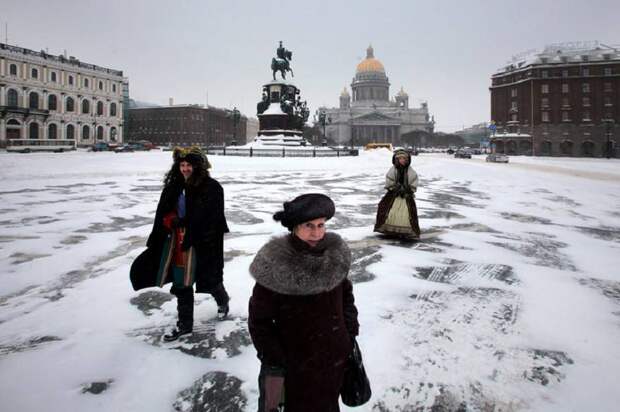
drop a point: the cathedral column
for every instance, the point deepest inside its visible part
(2, 130)
(2, 95)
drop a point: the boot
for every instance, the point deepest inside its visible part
(221, 298)
(185, 309)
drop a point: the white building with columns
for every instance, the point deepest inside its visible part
(49, 101)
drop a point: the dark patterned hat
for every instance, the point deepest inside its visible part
(305, 208)
(193, 155)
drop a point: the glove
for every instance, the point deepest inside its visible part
(274, 385)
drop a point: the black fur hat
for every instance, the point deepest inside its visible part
(305, 208)
(193, 155)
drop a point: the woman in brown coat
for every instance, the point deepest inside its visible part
(302, 316)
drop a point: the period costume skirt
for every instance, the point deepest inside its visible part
(397, 216)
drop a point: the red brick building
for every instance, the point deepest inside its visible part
(185, 125)
(563, 101)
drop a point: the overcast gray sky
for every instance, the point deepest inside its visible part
(442, 52)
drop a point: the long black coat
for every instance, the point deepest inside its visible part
(205, 228)
(302, 319)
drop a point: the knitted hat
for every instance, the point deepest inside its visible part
(193, 155)
(305, 208)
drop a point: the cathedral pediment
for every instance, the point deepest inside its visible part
(374, 117)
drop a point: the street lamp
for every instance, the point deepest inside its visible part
(323, 121)
(608, 123)
(236, 116)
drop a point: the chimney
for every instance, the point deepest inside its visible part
(170, 101)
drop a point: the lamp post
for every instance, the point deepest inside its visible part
(608, 123)
(323, 121)
(236, 116)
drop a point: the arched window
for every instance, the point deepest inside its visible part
(113, 109)
(85, 106)
(100, 133)
(100, 85)
(13, 70)
(53, 76)
(34, 130)
(34, 73)
(85, 132)
(11, 97)
(13, 129)
(85, 82)
(71, 80)
(113, 88)
(113, 134)
(52, 131)
(34, 100)
(52, 102)
(70, 132)
(70, 105)
(100, 108)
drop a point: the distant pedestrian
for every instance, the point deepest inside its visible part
(302, 316)
(397, 214)
(186, 244)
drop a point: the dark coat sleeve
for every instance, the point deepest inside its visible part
(165, 205)
(349, 310)
(262, 323)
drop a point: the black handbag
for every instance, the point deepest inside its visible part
(355, 390)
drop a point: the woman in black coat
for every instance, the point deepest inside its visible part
(186, 244)
(302, 316)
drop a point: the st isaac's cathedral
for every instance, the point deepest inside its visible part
(370, 115)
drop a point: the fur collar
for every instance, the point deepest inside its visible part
(282, 266)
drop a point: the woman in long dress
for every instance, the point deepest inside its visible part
(397, 214)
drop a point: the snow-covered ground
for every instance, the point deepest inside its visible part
(510, 302)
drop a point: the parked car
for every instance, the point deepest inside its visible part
(124, 148)
(100, 147)
(450, 151)
(497, 158)
(462, 154)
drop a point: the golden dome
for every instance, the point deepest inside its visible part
(370, 64)
(345, 93)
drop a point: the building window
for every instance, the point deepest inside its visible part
(585, 71)
(585, 87)
(544, 102)
(52, 102)
(70, 132)
(34, 130)
(565, 117)
(565, 88)
(34, 100)
(586, 116)
(13, 70)
(71, 80)
(85, 106)
(585, 101)
(113, 88)
(69, 105)
(100, 85)
(100, 133)
(513, 92)
(565, 101)
(113, 109)
(607, 101)
(34, 73)
(514, 105)
(607, 87)
(544, 74)
(544, 88)
(53, 77)
(565, 73)
(11, 97)
(85, 82)
(607, 71)
(85, 132)
(99, 108)
(52, 131)
(113, 134)
(545, 116)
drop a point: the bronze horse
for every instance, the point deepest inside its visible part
(282, 65)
